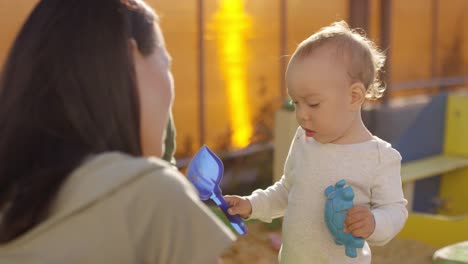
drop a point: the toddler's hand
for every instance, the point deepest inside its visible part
(359, 221)
(239, 206)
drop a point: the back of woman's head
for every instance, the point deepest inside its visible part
(67, 90)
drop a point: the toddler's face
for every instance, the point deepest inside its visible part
(318, 85)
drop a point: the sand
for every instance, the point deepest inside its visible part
(256, 248)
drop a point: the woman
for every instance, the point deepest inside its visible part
(85, 95)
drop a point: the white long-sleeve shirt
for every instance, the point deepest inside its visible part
(371, 168)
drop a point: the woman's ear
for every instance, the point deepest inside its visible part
(133, 46)
(358, 96)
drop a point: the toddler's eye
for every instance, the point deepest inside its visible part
(314, 105)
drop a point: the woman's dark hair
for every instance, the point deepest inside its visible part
(68, 90)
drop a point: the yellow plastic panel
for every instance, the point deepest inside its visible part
(435, 230)
(454, 193)
(456, 126)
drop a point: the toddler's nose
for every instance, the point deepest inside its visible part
(302, 115)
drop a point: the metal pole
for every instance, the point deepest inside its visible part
(385, 37)
(359, 17)
(283, 46)
(201, 72)
(435, 33)
(359, 14)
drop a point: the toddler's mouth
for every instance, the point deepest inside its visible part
(309, 133)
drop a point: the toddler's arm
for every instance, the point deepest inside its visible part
(255, 205)
(270, 203)
(387, 202)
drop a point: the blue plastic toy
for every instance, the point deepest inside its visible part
(205, 171)
(339, 201)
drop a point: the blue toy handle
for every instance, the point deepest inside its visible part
(236, 222)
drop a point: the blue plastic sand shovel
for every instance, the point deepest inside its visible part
(205, 171)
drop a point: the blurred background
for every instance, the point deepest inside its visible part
(229, 59)
(230, 55)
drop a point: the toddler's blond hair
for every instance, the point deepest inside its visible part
(364, 59)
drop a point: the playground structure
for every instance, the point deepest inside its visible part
(441, 169)
(433, 141)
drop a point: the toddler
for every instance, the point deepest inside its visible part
(329, 77)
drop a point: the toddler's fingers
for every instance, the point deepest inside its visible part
(231, 200)
(361, 232)
(355, 226)
(234, 210)
(357, 209)
(354, 218)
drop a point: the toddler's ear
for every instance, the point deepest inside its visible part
(358, 96)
